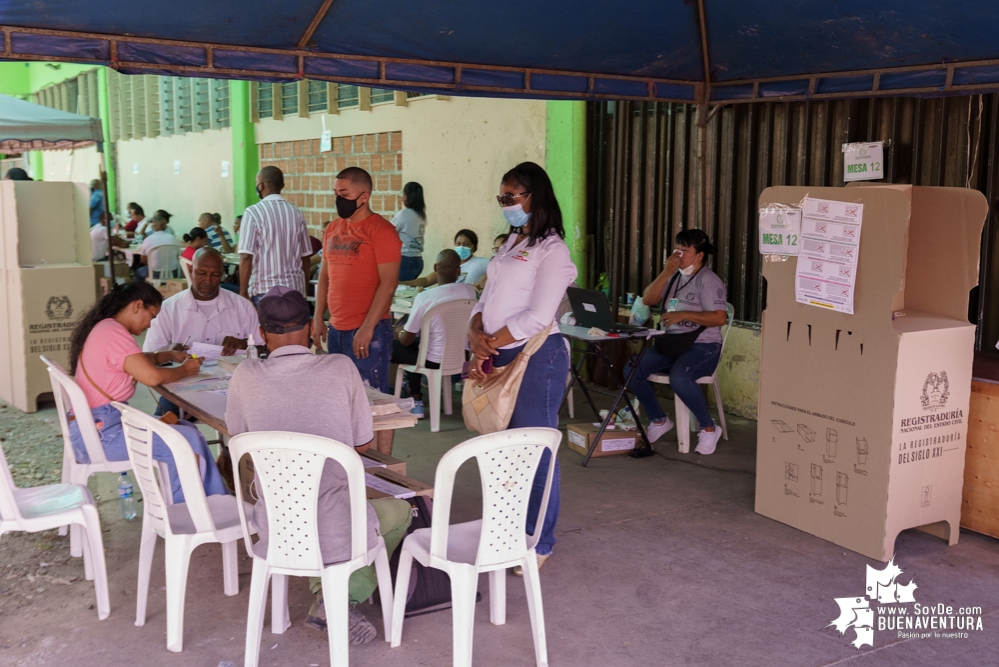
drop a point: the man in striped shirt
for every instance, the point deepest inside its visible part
(274, 247)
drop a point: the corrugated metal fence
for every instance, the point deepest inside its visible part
(654, 171)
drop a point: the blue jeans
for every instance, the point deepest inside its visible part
(537, 405)
(255, 299)
(410, 268)
(375, 367)
(112, 435)
(684, 371)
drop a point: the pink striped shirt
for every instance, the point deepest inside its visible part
(274, 232)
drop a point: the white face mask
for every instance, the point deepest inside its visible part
(689, 270)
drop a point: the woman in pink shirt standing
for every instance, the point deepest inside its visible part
(107, 363)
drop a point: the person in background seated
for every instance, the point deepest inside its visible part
(466, 242)
(497, 244)
(202, 314)
(107, 363)
(158, 238)
(218, 237)
(196, 239)
(298, 391)
(96, 202)
(406, 347)
(691, 296)
(411, 223)
(166, 216)
(99, 240)
(136, 219)
(237, 223)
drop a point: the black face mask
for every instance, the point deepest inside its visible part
(260, 192)
(346, 207)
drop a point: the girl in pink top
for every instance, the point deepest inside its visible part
(107, 363)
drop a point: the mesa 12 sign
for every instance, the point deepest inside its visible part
(863, 161)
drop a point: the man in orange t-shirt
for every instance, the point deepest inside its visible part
(357, 279)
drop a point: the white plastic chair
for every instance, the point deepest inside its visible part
(683, 422)
(183, 526)
(455, 315)
(508, 461)
(69, 396)
(186, 266)
(289, 466)
(47, 507)
(162, 262)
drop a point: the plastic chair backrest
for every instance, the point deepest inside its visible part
(139, 430)
(455, 315)
(508, 461)
(163, 259)
(185, 266)
(289, 468)
(8, 505)
(69, 396)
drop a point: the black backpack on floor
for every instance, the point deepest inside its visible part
(429, 588)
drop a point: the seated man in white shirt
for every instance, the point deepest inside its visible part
(406, 347)
(99, 240)
(202, 314)
(298, 391)
(159, 238)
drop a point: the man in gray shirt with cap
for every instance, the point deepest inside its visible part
(298, 391)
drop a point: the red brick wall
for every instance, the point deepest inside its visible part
(309, 174)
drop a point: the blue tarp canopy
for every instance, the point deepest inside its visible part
(680, 50)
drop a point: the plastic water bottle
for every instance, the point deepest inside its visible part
(251, 348)
(126, 499)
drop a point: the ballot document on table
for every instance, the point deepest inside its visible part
(826, 276)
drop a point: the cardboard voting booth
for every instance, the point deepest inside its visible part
(863, 418)
(48, 281)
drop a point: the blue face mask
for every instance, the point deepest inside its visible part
(515, 215)
(464, 252)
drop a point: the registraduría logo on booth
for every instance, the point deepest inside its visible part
(897, 611)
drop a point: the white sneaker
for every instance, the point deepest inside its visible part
(656, 430)
(707, 441)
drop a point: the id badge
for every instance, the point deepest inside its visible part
(671, 306)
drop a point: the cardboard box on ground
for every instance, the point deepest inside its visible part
(616, 442)
(48, 282)
(863, 418)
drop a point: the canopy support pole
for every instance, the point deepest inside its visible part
(107, 212)
(316, 20)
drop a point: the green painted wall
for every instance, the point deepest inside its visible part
(15, 79)
(245, 157)
(565, 162)
(110, 165)
(43, 74)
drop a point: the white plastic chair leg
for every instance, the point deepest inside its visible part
(96, 549)
(230, 568)
(721, 410)
(497, 597)
(147, 547)
(398, 381)
(255, 612)
(75, 545)
(178, 560)
(463, 585)
(682, 425)
(280, 620)
(384, 575)
(532, 584)
(434, 389)
(399, 598)
(335, 600)
(448, 395)
(88, 562)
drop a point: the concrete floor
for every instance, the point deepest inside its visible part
(660, 561)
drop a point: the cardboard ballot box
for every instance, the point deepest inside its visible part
(616, 442)
(863, 417)
(48, 282)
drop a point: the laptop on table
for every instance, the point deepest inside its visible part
(591, 309)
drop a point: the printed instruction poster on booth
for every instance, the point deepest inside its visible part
(827, 259)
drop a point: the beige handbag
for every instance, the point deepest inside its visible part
(487, 405)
